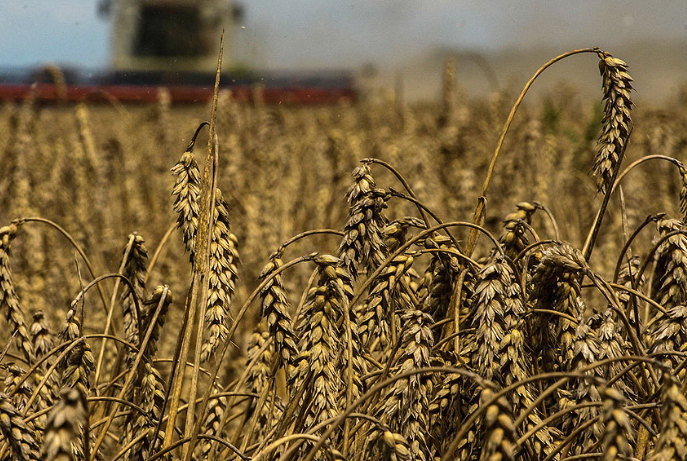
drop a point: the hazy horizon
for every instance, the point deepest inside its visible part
(392, 35)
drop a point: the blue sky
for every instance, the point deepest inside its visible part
(324, 33)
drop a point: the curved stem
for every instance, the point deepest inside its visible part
(186, 440)
(400, 177)
(295, 238)
(378, 387)
(412, 241)
(158, 250)
(482, 200)
(596, 226)
(422, 206)
(76, 246)
(637, 162)
(232, 330)
(640, 295)
(649, 219)
(554, 223)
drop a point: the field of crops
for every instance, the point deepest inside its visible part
(364, 281)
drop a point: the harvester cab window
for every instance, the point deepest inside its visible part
(169, 32)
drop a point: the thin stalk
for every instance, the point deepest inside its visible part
(596, 227)
(480, 211)
(201, 261)
(110, 311)
(158, 251)
(76, 246)
(132, 373)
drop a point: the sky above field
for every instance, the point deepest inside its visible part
(316, 33)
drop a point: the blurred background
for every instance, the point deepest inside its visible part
(400, 44)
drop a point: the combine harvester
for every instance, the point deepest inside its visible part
(173, 44)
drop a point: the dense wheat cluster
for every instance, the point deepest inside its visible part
(303, 286)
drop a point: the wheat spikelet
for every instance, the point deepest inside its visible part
(21, 393)
(629, 271)
(617, 123)
(353, 367)
(260, 379)
(21, 437)
(556, 283)
(405, 406)
(64, 426)
(363, 244)
(617, 428)
(9, 300)
(396, 232)
(672, 440)
(41, 337)
(668, 287)
(78, 367)
(224, 258)
(148, 386)
(668, 333)
(43, 341)
(514, 239)
(489, 305)
(440, 279)
(212, 424)
(586, 351)
(320, 343)
(151, 393)
(135, 271)
(388, 294)
(72, 326)
(186, 194)
(164, 118)
(514, 361)
(148, 310)
(500, 437)
(445, 410)
(275, 309)
(612, 345)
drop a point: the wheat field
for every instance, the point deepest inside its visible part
(467, 279)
